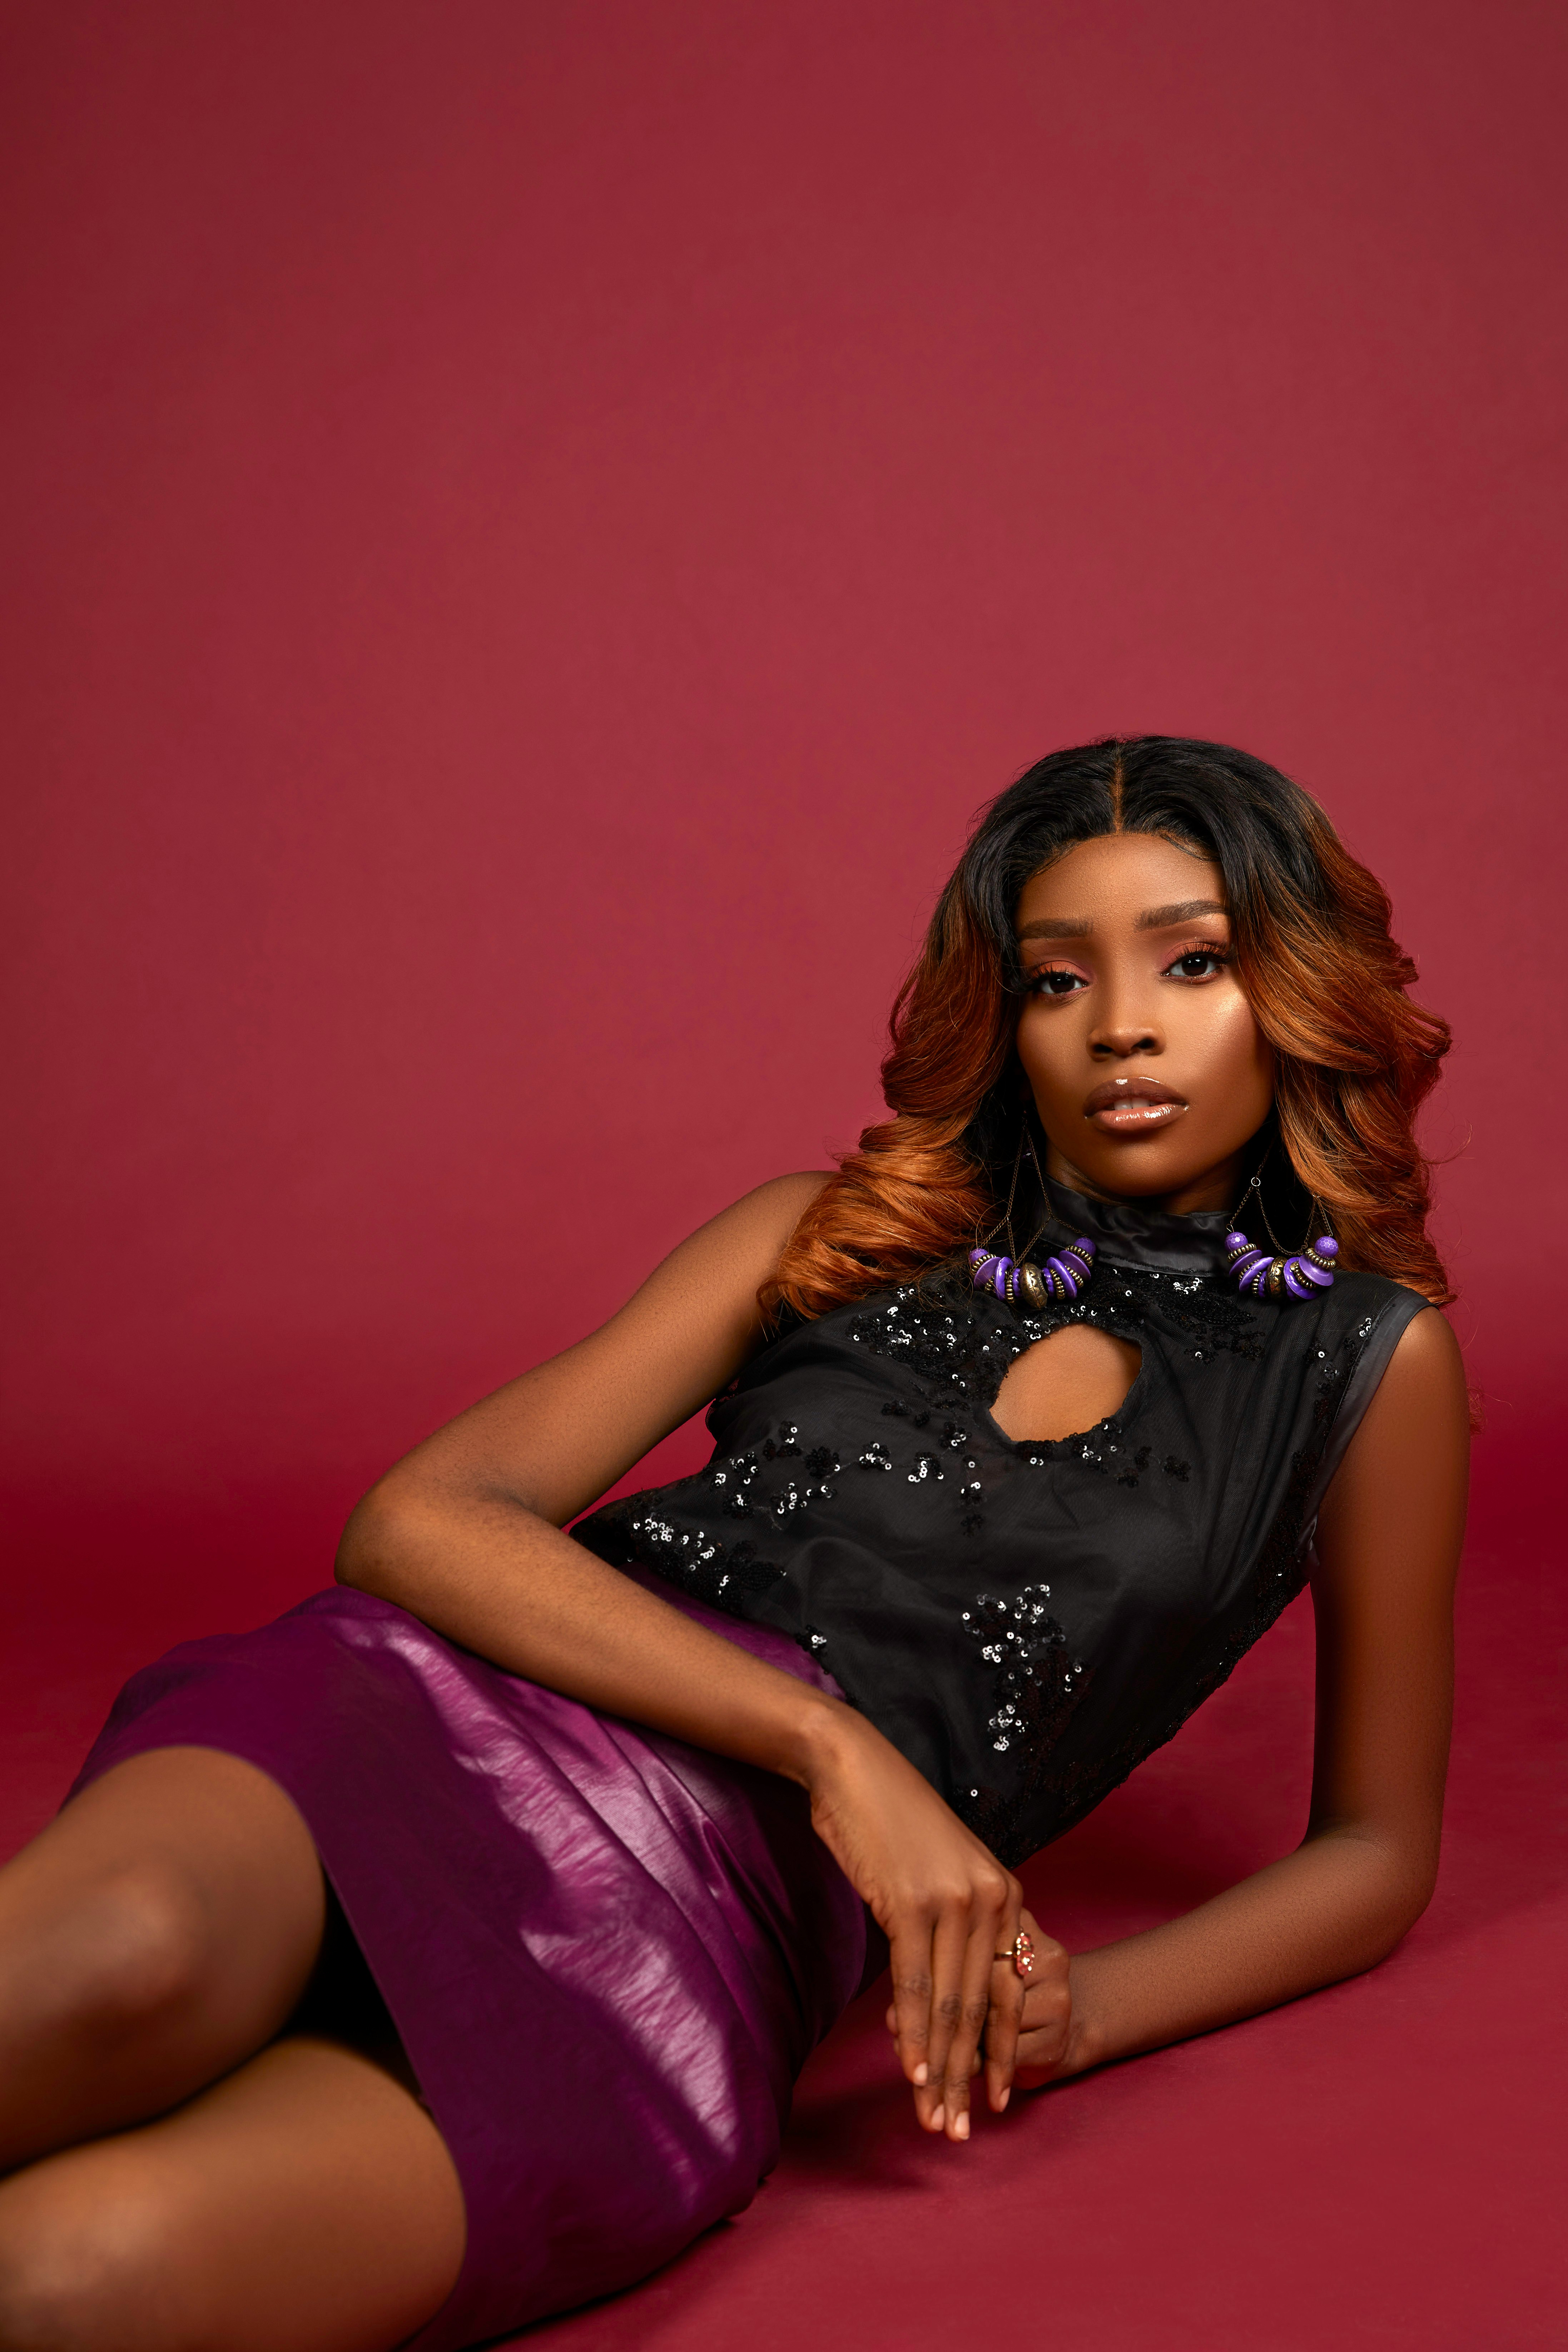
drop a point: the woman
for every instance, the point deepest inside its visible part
(1028, 1423)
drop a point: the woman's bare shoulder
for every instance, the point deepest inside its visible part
(557, 1436)
(706, 1289)
(775, 1209)
(743, 1242)
(1401, 1486)
(1426, 1374)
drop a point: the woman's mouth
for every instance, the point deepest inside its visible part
(1132, 1106)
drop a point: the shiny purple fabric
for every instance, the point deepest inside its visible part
(609, 1954)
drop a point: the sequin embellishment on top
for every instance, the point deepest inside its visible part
(1024, 1622)
(1026, 1648)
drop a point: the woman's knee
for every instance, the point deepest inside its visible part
(182, 1886)
(84, 2272)
(159, 1931)
(135, 1949)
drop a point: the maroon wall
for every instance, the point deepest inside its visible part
(532, 529)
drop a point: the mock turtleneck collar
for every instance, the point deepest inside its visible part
(1126, 1234)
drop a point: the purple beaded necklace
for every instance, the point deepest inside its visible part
(1286, 1274)
(1018, 1279)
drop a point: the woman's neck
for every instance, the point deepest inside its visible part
(1220, 1187)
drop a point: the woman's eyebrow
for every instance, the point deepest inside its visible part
(1153, 919)
(1187, 911)
(1057, 926)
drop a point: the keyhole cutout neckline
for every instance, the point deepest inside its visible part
(1083, 1382)
(1107, 1369)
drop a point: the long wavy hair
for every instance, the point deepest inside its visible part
(1328, 987)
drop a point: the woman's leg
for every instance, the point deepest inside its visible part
(305, 2201)
(161, 1930)
(153, 1940)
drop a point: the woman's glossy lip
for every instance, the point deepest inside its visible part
(1133, 1106)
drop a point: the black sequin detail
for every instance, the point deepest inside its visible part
(1098, 1449)
(861, 1496)
(1037, 1685)
(724, 1575)
(1027, 1648)
(949, 1340)
(962, 1342)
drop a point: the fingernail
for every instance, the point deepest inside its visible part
(1001, 2102)
(961, 2126)
(919, 2073)
(939, 2117)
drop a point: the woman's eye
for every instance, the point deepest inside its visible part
(1053, 981)
(1198, 964)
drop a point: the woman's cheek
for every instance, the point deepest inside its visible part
(1223, 1029)
(1240, 1060)
(1051, 1081)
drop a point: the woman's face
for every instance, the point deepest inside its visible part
(1147, 1070)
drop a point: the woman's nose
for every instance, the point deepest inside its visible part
(1116, 1040)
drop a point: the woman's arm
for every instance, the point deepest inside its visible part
(1388, 1548)
(466, 1533)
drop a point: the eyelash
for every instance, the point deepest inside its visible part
(1203, 950)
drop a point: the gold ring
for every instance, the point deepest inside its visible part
(1021, 1952)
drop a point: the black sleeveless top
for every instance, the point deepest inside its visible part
(1026, 1620)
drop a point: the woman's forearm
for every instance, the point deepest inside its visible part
(497, 1578)
(1335, 1906)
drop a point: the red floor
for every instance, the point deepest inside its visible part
(1380, 2165)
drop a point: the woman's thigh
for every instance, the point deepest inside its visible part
(159, 1931)
(306, 2201)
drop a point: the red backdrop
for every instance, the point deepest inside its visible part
(532, 529)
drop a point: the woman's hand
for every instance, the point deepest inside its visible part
(1044, 2051)
(948, 1908)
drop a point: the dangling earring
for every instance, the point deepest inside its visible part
(1015, 1278)
(1298, 1274)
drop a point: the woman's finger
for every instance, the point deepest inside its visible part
(978, 1964)
(1006, 2010)
(1046, 2027)
(986, 1916)
(949, 1944)
(890, 2019)
(910, 1942)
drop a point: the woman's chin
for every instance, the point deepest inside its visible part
(1128, 1174)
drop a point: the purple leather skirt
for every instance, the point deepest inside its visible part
(608, 1954)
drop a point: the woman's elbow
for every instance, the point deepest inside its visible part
(378, 1540)
(1396, 1918)
(1397, 1878)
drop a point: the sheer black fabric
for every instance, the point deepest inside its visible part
(1025, 1621)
